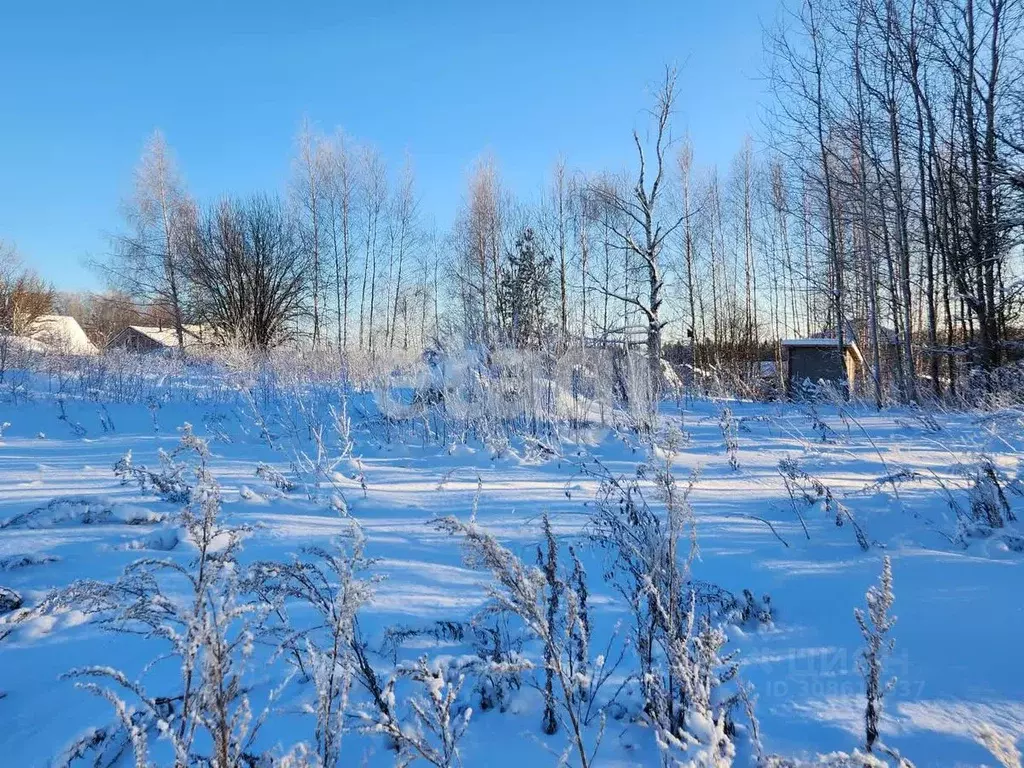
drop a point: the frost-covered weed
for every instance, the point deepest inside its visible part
(528, 593)
(921, 419)
(875, 625)
(15, 562)
(855, 759)
(683, 672)
(806, 491)
(1000, 744)
(275, 477)
(729, 426)
(825, 432)
(332, 654)
(82, 510)
(62, 415)
(497, 646)
(439, 721)
(982, 502)
(88, 597)
(988, 495)
(209, 634)
(106, 422)
(9, 600)
(171, 480)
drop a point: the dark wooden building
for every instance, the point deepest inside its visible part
(811, 363)
(138, 338)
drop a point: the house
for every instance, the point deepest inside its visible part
(813, 362)
(59, 333)
(143, 338)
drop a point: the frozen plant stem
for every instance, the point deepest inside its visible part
(875, 625)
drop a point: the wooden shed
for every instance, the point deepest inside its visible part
(811, 363)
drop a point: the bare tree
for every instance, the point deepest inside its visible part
(559, 234)
(583, 216)
(685, 160)
(405, 226)
(640, 209)
(309, 188)
(862, 184)
(374, 195)
(146, 261)
(250, 272)
(23, 294)
(339, 189)
(478, 247)
(743, 192)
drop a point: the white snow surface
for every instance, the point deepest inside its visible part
(957, 658)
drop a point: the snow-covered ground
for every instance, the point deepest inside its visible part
(960, 612)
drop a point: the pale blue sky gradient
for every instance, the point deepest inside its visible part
(84, 84)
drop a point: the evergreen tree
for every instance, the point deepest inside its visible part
(525, 292)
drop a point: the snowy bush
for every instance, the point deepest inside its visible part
(171, 481)
(551, 606)
(332, 654)
(683, 673)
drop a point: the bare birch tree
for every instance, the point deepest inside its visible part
(309, 187)
(146, 260)
(640, 207)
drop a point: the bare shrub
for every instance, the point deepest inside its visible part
(528, 593)
(805, 490)
(171, 480)
(682, 670)
(331, 653)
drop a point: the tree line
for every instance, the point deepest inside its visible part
(898, 132)
(883, 204)
(330, 263)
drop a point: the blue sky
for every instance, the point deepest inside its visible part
(229, 82)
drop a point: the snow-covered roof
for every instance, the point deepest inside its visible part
(23, 343)
(61, 333)
(165, 337)
(811, 342)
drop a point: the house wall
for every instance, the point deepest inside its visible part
(136, 342)
(818, 363)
